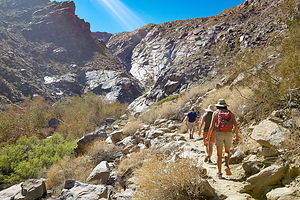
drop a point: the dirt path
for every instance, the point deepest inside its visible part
(229, 186)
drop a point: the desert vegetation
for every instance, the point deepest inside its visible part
(30, 157)
(26, 152)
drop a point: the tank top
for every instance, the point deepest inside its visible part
(208, 117)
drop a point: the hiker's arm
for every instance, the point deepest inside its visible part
(201, 125)
(236, 128)
(212, 124)
(186, 119)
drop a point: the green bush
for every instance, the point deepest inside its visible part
(168, 98)
(29, 156)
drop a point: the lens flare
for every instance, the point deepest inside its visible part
(122, 13)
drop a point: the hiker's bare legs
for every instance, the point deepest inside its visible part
(227, 157)
(193, 130)
(219, 158)
(209, 149)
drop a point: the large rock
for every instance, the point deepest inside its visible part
(269, 134)
(89, 138)
(151, 134)
(116, 136)
(33, 189)
(252, 167)
(11, 192)
(100, 173)
(78, 191)
(205, 189)
(269, 176)
(283, 193)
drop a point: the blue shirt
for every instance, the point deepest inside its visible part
(192, 115)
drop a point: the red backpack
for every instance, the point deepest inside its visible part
(224, 121)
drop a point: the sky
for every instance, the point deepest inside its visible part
(115, 16)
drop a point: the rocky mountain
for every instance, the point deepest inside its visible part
(47, 50)
(168, 58)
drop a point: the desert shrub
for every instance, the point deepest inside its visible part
(29, 156)
(100, 150)
(83, 114)
(69, 168)
(78, 115)
(28, 119)
(135, 160)
(132, 127)
(159, 179)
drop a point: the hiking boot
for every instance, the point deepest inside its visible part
(191, 136)
(209, 161)
(228, 172)
(219, 175)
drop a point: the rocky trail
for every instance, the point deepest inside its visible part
(228, 186)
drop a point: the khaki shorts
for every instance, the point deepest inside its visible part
(224, 138)
(191, 125)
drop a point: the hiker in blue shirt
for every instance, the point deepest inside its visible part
(191, 120)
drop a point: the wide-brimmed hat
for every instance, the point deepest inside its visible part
(210, 108)
(222, 103)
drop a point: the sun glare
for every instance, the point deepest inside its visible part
(122, 13)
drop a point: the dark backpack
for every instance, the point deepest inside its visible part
(224, 120)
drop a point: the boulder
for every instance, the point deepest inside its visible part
(78, 190)
(100, 173)
(127, 149)
(151, 134)
(282, 193)
(29, 190)
(172, 126)
(11, 192)
(205, 189)
(33, 189)
(116, 136)
(252, 167)
(269, 176)
(89, 138)
(269, 134)
(267, 152)
(237, 157)
(126, 195)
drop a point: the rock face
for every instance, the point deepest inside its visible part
(77, 190)
(267, 177)
(47, 50)
(168, 58)
(269, 134)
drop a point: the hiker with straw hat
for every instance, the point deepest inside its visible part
(208, 141)
(223, 120)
